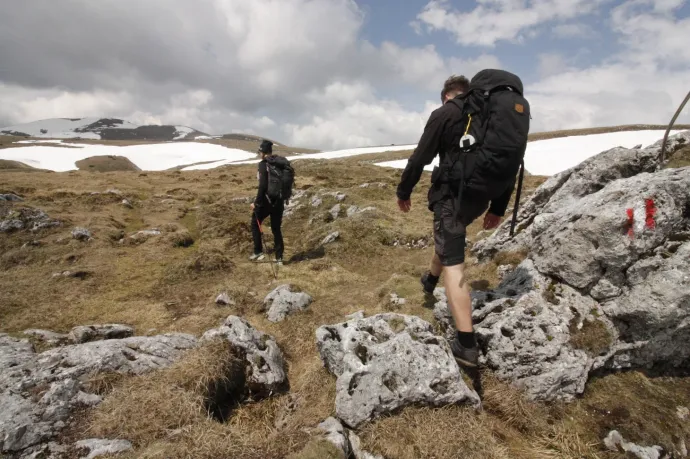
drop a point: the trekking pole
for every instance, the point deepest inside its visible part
(517, 198)
(668, 129)
(263, 241)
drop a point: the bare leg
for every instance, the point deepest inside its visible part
(458, 294)
(436, 266)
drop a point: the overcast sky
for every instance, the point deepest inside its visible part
(337, 73)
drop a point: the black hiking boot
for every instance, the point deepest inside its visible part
(428, 284)
(466, 357)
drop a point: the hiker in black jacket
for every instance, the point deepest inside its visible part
(262, 207)
(440, 134)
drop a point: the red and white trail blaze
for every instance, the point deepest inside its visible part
(641, 217)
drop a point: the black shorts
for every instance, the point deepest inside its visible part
(450, 232)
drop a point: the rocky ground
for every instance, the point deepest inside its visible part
(132, 323)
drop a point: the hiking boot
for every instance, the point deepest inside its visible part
(428, 284)
(279, 262)
(466, 357)
(257, 257)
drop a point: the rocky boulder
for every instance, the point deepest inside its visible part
(81, 234)
(11, 197)
(606, 285)
(344, 440)
(283, 301)
(264, 360)
(86, 333)
(566, 190)
(386, 362)
(24, 218)
(38, 392)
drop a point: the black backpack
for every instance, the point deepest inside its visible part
(489, 142)
(281, 178)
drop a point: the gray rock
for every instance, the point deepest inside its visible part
(355, 315)
(354, 210)
(126, 203)
(331, 238)
(335, 433)
(503, 270)
(265, 361)
(335, 211)
(81, 234)
(523, 328)
(224, 300)
(86, 333)
(10, 197)
(340, 197)
(396, 301)
(27, 421)
(652, 315)
(386, 362)
(565, 191)
(683, 413)
(374, 185)
(614, 441)
(98, 447)
(344, 439)
(48, 336)
(644, 310)
(282, 302)
(356, 446)
(25, 218)
(316, 201)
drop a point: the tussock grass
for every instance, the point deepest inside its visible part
(680, 158)
(593, 337)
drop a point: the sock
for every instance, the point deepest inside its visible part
(467, 339)
(433, 279)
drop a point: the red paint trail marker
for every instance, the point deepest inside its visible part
(638, 225)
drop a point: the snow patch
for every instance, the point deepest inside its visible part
(151, 157)
(549, 157)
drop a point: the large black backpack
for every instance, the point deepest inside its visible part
(489, 141)
(281, 178)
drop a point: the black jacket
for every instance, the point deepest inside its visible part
(435, 140)
(262, 176)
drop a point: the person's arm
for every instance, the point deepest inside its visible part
(423, 155)
(260, 200)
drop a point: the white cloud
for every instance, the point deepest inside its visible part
(362, 121)
(492, 21)
(644, 83)
(552, 64)
(574, 30)
(217, 65)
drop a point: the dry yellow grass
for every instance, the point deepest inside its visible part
(167, 286)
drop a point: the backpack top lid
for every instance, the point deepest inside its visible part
(488, 79)
(278, 160)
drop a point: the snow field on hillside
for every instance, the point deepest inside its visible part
(150, 157)
(549, 157)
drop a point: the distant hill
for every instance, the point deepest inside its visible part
(100, 129)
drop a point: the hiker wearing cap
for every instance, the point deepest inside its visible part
(275, 176)
(480, 133)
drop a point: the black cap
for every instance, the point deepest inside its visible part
(266, 147)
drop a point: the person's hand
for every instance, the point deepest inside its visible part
(491, 221)
(252, 206)
(404, 205)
